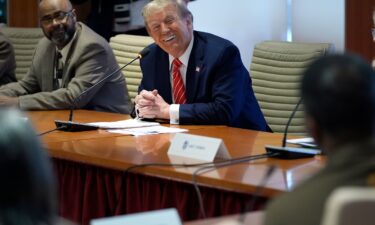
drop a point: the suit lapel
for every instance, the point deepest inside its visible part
(68, 74)
(194, 69)
(48, 71)
(163, 77)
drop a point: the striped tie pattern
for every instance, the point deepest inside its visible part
(178, 84)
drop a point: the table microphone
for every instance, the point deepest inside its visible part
(74, 126)
(285, 152)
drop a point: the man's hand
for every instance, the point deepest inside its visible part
(151, 105)
(9, 101)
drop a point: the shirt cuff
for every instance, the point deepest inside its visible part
(174, 113)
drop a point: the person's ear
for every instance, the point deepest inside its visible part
(74, 15)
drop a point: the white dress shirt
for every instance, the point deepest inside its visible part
(174, 109)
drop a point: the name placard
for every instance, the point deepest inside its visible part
(157, 217)
(198, 147)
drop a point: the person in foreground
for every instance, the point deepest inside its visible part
(338, 93)
(192, 77)
(69, 60)
(7, 61)
(28, 190)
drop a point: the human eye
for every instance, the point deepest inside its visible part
(60, 15)
(169, 20)
(46, 19)
(155, 27)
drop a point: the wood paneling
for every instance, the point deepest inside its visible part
(23, 13)
(358, 28)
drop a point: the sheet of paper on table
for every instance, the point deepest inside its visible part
(130, 123)
(304, 142)
(147, 130)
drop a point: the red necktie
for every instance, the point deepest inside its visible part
(178, 84)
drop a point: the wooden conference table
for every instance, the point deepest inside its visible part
(90, 169)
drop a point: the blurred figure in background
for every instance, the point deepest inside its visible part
(27, 190)
(338, 93)
(7, 61)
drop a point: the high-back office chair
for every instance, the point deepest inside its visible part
(125, 47)
(276, 70)
(350, 205)
(24, 41)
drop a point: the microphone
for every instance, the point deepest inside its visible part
(285, 152)
(74, 126)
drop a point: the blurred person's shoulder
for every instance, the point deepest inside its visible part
(63, 221)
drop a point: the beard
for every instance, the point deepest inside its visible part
(62, 35)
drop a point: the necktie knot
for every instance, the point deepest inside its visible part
(177, 63)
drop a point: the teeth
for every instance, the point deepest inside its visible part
(170, 38)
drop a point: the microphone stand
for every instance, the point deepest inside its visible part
(285, 152)
(74, 126)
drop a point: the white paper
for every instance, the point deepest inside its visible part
(305, 142)
(148, 130)
(130, 123)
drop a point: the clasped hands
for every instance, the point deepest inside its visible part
(150, 105)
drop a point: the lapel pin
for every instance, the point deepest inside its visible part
(197, 69)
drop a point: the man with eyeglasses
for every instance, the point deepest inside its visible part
(69, 60)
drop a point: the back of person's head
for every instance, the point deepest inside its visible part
(339, 95)
(27, 191)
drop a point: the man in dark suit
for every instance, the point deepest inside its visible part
(7, 61)
(68, 61)
(338, 92)
(192, 77)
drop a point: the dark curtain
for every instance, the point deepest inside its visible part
(87, 192)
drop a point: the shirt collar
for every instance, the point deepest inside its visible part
(184, 58)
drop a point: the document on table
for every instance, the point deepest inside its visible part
(147, 130)
(123, 124)
(304, 142)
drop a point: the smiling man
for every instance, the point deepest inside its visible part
(68, 61)
(192, 77)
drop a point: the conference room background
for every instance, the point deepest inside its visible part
(345, 23)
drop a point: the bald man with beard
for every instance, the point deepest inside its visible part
(69, 60)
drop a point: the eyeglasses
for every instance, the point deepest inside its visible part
(58, 17)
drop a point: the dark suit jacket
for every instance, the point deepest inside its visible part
(7, 61)
(89, 60)
(218, 86)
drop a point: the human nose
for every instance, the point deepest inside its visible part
(56, 21)
(164, 28)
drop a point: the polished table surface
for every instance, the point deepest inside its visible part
(115, 151)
